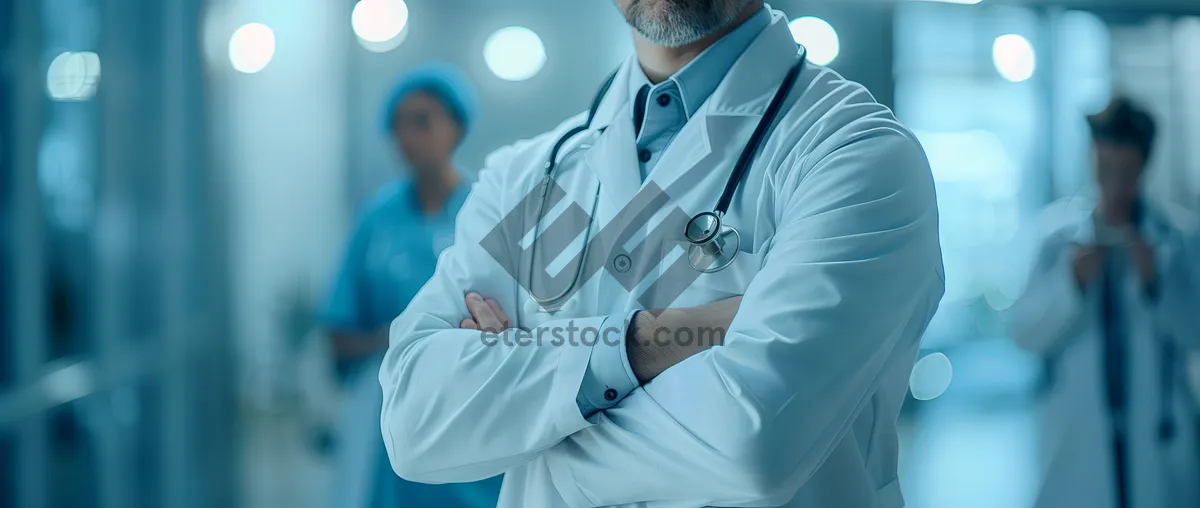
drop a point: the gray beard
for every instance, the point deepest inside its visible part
(684, 21)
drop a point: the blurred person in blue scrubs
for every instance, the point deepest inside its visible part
(392, 252)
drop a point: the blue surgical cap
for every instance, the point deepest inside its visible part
(444, 82)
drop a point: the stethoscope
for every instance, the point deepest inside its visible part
(712, 245)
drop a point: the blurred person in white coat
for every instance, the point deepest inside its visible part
(1112, 305)
(603, 398)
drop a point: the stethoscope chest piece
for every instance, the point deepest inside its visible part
(712, 246)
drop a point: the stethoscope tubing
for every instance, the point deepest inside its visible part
(741, 167)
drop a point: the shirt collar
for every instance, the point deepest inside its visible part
(697, 80)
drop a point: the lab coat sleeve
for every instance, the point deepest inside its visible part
(1051, 308)
(609, 377)
(851, 280)
(1174, 307)
(460, 406)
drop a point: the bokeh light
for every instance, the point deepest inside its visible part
(380, 24)
(385, 46)
(73, 76)
(514, 53)
(251, 47)
(818, 37)
(930, 377)
(1014, 57)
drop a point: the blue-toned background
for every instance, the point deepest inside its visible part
(177, 176)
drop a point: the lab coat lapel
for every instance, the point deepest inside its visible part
(704, 153)
(613, 159)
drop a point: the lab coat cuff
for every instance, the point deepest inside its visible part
(609, 377)
(573, 363)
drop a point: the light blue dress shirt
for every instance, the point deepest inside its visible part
(392, 253)
(666, 107)
(662, 110)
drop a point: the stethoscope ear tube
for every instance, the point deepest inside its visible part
(562, 140)
(548, 304)
(760, 131)
(714, 245)
(551, 161)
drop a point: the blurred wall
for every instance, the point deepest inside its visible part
(122, 379)
(1159, 64)
(281, 145)
(584, 42)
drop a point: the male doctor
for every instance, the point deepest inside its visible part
(1112, 301)
(838, 273)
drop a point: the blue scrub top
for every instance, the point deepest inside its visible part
(392, 253)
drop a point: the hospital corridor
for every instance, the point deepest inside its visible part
(807, 254)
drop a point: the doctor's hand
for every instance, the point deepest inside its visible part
(1086, 262)
(655, 340)
(486, 315)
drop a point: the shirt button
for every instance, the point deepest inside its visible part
(610, 395)
(664, 100)
(644, 155)
(622, 263)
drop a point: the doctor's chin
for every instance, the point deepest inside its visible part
(593, 254)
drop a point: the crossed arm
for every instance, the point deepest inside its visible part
(647, 357)
(855, 278)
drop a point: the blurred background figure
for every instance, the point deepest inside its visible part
(178, 178)
(392, 253)
(1111, 301)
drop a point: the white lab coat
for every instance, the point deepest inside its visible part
(798, 408)
(1056, 319)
